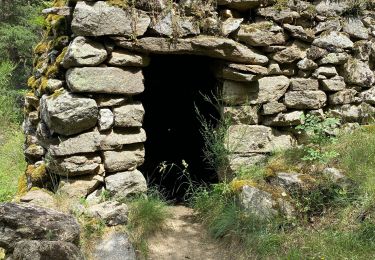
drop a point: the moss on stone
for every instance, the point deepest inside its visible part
(36, 174)
(59, 3)
(41, 48)
(236, 185)
(119, 3)
(22, 185)
(32, 82)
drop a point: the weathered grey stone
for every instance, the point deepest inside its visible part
(288, 181)
(267, 89)
(126, 160)
(115, 246)
(295, 51)
(235, 75)
(23, 221)
(355, 28)
(129, 115)
(54, 84)
(100, 18)
(239, 4)
(83, 143)
(244, 139)
(358, 72)
(230, 25)
(34, 152)
(261, 34)
(106, 119)
(108, 80)
(329, 25)
(84, 52)
(77, 188)
(353, 113)
(305, 99)
(315, 53)
(112, 212)
(334, 84)
(333, 40)
(368, 96)
(345, 96)
(325, 72)
(330, 8)
(298, 84)
(283, 16)
(275, 69)
(44, 249)
(124, 184)
(238, 161)
(284, 119)
(242, 114)
(334, 174)
(307, 64)
(273, 108)
(334, 58)
(68, 114)
(74, 165)
(169, 24)
(299, 32)
(40, 198)
(362, 50)
(109, 100)
(258, 202)
(215, 47)
(63, 11)
(255, 69)
(117, 138)
(126, 58)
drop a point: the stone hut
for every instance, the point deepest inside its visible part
(115, 83)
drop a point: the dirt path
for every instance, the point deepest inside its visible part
(183, 239)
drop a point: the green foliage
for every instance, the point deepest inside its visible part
(12, 162)
(320, 132)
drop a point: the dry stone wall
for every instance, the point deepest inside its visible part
(275, 61)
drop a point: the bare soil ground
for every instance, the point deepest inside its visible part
(184, 238)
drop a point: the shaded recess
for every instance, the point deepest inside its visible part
(174, 85)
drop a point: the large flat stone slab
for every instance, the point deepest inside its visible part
(211, 46)
(107, 80)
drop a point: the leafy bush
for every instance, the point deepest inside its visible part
(320, 132)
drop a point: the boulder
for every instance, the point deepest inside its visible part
(300, 33)
(330, 8)
(328, 25)
(125, 58)
(34, 152)
(211, 46)
(333, 40)
(325, 72)
(273, 108)
(336, 58)
(261, 34)
(308, 99)
(106, 119)
(267, 89)
(121, 185)
(238, 161)
(68, 114)
(88, 164)
(314, 53)
(334, 84)
(294, 51)
(341, 97)
(40, 198)
(358, 72)
(129, 115)
(355, 28)
(28, 222)
(307, 64)
(129, 159)
(242, 114)
(113, 213)
(299, 84)
(168, 25)
(245, 139)
(117, 138)
(115, 246)
(107, 80)
(84, 52)
(79, 187)
(100, 19)
(258, 202)
(284, 119)
(44, 249)
(289, 181)
(230, 25)
(286, 15)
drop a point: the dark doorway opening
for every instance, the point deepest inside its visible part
(174, 86)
